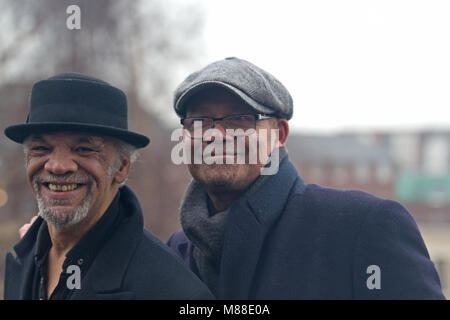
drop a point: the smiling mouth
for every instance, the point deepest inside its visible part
(63, 187)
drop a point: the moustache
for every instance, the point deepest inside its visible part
(75, 178)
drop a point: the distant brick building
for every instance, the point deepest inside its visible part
(343, 162)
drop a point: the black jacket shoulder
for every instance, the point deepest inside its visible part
(167, 278)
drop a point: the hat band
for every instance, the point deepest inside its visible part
(76, 113)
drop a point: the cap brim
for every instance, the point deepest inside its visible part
(20, 132)
(180, 104)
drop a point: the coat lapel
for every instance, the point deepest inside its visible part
(105, 276)
(247, 224)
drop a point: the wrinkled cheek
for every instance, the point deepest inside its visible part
(188, 151)
(32, 170)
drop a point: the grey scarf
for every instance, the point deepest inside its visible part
(205, 229)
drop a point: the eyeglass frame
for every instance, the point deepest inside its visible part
(257, 116)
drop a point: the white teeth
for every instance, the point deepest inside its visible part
(63, 188)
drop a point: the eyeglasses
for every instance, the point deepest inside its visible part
(233, 123)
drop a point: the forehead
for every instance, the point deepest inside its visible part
(68, 138)
(216, 101)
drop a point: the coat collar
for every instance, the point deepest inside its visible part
(28, 241)
(248, 222)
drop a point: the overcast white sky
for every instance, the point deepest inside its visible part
(348, 64)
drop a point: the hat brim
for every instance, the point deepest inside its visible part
(18, 133)
(180, 107)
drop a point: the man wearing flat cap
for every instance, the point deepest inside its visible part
(88, 241)
(250, 235)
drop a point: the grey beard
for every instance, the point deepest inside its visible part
(67, 217)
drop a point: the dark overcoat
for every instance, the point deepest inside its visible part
(295, 241)
(132, 264)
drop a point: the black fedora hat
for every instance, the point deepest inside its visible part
(77, 102)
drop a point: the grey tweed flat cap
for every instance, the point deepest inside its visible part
(256, 87)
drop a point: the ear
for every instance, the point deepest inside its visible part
(283, 131)
(122, 173)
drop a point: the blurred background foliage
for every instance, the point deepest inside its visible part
(137, 46)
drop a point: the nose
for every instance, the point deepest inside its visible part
(60, 163)
(219, 126)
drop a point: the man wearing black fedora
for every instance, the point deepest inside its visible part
(88, 241)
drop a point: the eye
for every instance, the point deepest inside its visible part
(40, 148)
(193, 120)
(190, 123)
(84, 149)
